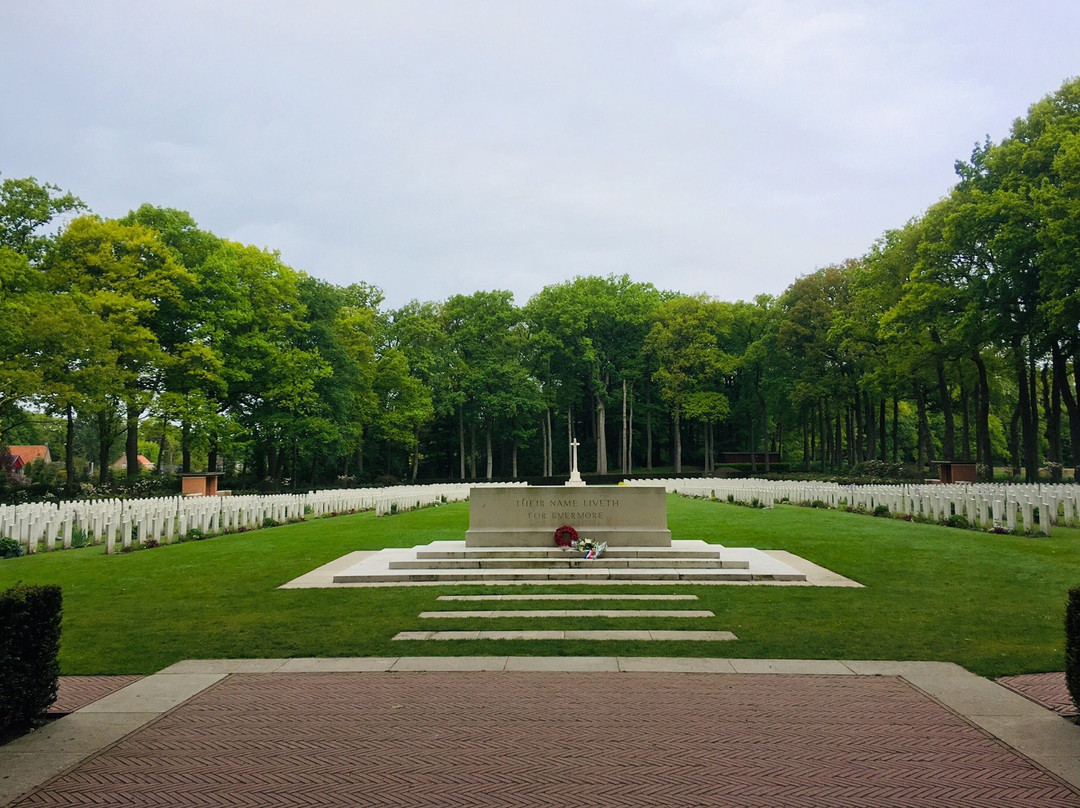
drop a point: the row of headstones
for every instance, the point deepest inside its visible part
(407, 498)
(119, 523)
(1005, 506)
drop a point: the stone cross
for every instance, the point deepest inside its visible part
(575, 475)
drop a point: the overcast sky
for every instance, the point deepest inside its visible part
(444, 147)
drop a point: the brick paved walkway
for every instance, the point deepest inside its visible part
(78, 691)
(1047, 689)
(558, 739)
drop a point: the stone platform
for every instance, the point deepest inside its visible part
(452, 562)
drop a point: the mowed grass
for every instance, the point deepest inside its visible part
(994, 604)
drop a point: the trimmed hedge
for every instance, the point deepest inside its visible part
(29, 652)
(1072, 644)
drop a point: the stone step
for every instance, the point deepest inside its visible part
(544, 614)
(557, 553)
(567, 563)
(599, 636)
(591, 575)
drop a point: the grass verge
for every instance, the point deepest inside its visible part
(994, 604)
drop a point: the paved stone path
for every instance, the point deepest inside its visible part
(495, 736)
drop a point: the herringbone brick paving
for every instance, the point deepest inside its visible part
(558, 739)
(74, 692)
(1047, 689)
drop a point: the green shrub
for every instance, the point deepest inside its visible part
(269, 521)
(957, 520)
(79, 537)
(194, 534)
(29, 653)
(1072, 644)
(819, 503)
(9, 548)
(882, 510)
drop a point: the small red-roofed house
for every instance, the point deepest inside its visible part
(144, 463)
(25, 455)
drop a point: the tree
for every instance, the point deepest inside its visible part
(809, 346)
(484, 334)
(123, 275)
(22, 301)
(589, 335)
(27, 208)
(684, 342)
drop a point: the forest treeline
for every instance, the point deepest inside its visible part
(956, 336)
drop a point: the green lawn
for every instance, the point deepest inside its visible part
(994, 604)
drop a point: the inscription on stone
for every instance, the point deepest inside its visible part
(568, 510)
(515, 516)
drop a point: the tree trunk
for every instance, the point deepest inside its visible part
(132, 445)
(648, 426)
(630, 441)
(895, 430)
(69, 448)
(601, 436)
(295, 471)
(984, 452)
(838, 446)
(883, 448)
(764, 429)
(163, 442)
(856, 435)
(1014, 442)
(543, 445)
(678, 441)
(623, 434)
(487, 437)
(871, 427)
(1076, 442)
(1061, 379)
(185, 447)
(1031, 454)
(806, 443)
(416, 453)
(260, 455)
(948, 438)
(550, 444)
(212, 458)
(965, 424)
(1051, 396)
(513, 459)
(824, 436)
(926, 446)
(104, 444)
(851, 422)
(273, 461)
(1024, 407)
(753, 441)
(472, 451)
(461, 437)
